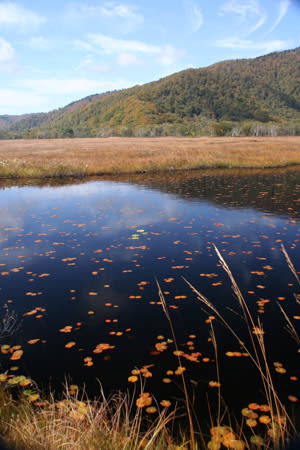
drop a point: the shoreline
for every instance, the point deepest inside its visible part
(82, 176)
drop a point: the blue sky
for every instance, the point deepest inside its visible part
(52, 53)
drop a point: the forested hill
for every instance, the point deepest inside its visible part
(28, 121)
(7, 121)
(262, 90)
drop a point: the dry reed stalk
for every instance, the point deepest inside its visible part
(193, 444)
(290, 264)
(290, 327)
(277, 409)
(266, 378)
(214, 342)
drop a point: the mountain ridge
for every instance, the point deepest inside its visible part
(264, 89)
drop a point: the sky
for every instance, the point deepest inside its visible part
(55, 52)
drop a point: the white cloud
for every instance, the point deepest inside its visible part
(12, 100)
(248, 11)
(126, 49)
(53, 85)
(245, 44)
(168, 55)
(13, 14)
(120, 10)
(112, 45)
(81, 45)
(260, 23)
(283, 9)
(242, 8)
(127, 59)
(194, 14)
(89, 65)
(38, 42)
(7, 52)
(33, 95)
(109, 10)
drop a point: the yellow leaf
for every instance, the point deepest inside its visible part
(33, 397)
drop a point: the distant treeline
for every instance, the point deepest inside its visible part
(201, 128)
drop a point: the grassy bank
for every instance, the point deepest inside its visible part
(77, 423)
(83, 157)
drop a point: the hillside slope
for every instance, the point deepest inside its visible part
(28, 121)
(7, 121)
(263, 89)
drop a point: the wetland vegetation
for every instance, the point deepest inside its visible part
(85, 157)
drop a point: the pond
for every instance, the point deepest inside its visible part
(80, 265)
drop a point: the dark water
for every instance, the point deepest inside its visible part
(59, 244)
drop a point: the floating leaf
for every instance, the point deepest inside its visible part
(280, 370)
(33, 397)
(5, 349)
(66, 329)
(16, 380)
(133, 379)
(17, 355)
(165, 403)
(144, 400)
(151, 410)
(70, 344)
(32, 341)
(265, 419)
(25, 382)
(251, 423)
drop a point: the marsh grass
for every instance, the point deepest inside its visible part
(78, 423)
(83, 157)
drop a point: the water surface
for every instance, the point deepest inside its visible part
(87, 255)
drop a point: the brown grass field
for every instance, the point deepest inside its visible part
(93, 156)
